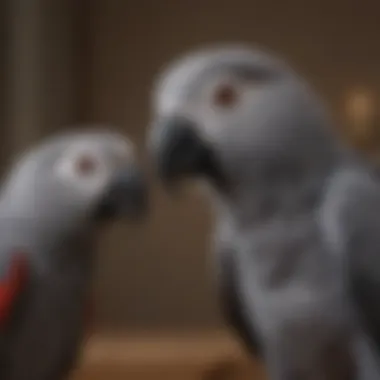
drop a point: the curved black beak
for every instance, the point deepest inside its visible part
(179, 152)
(126, 196)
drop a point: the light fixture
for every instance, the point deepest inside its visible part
(360, 108)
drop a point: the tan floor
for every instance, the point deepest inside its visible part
(208, 356)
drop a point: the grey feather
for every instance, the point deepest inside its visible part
(47, 212)
(294, 235)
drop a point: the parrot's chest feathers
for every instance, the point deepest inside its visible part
(50, 323)
(286, 273)
(276, 251)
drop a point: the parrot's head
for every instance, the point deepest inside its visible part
(236, 117)
(77, 177)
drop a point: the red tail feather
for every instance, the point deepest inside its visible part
(11, 285)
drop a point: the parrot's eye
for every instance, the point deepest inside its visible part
(83, 168)
(86, 165)
(225, 95)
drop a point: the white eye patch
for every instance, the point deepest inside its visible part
(122, 151)
(83, 168)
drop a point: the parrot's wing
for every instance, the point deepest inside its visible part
(352, 225)
(13, 278)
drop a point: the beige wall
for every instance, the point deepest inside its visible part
(96, 62)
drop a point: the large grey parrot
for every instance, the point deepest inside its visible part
(50, 206)
(297, 214)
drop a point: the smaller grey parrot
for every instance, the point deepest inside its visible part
(51, 205)
(294, 209)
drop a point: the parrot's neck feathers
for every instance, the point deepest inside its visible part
(49, 243)
(32, 222)
(259, 201)
(285, 186)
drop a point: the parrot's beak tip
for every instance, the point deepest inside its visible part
(126, 199)
(180, 153)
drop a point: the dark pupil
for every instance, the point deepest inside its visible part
(225, 96)
(86, 165)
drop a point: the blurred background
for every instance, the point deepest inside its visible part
(93, 61)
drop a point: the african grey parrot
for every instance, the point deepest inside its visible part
(294, 209)
(54, 198)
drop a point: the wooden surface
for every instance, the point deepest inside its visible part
(209, 356)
